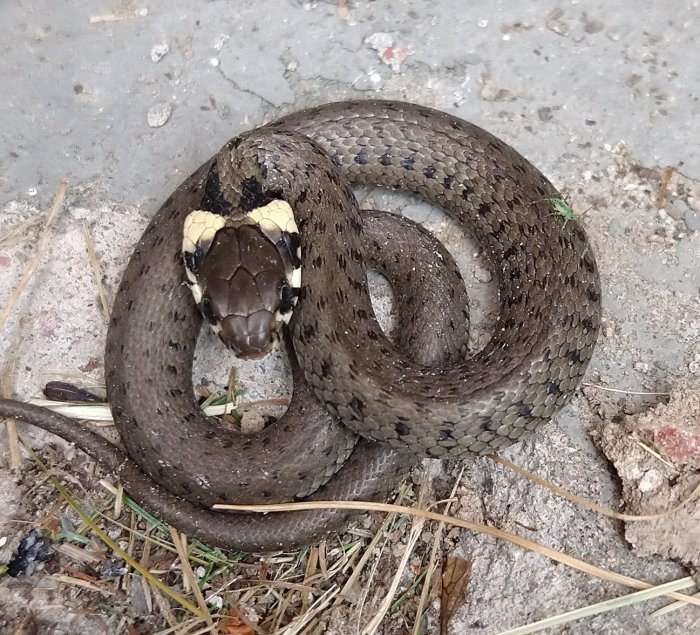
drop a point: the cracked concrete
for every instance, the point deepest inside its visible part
(602, 98)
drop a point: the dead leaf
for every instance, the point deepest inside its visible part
(455, 577)
(233, 624)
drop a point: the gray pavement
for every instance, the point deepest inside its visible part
(126, 99)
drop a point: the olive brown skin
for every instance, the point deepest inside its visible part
(544, 337)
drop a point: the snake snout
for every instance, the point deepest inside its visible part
(251, 336)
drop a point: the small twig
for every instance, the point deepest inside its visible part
(589, 504)
(20, 229)
(625, 392)
(601, 607)
(31, 269)
(180, 543)
(10, 424)
(96, 272)
(433, 562)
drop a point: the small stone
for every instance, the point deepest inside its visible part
(641, 367)
(651, 481)
(252, 422)
(482, 274)
(694, 368)
(159, 51)
(158, 114)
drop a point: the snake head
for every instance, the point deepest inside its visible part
(243, 279)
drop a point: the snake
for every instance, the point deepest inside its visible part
(451, 404)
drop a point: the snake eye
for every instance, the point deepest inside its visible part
(207, 311)
(286, 297)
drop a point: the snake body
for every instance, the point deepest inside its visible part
(544, 336)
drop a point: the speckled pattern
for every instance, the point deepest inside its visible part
(550, 306)
(549, 286)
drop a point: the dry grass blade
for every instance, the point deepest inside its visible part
(299, 623)
(602, 607)
(434, 562)
(589, 504)
(6, 387)
(100, 412)
(81, 583)
(31, 269)
(20, 229)
(627, 392)
(10, 425)
(418, 522)
(109, 542)
(671, 607)
(557, 556)
(180, 543)
(96, 272)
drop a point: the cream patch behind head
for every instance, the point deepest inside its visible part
(280, 213)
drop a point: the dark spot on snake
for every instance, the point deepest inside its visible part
(172, 344)
(429, 172)
(573, 357)
(326, 366)
(509, 253)
(444, 434)
(509, 324)
(589, 264)
(308, 331)
(176, 392)
(253, 195)
(372, 335)
(361, 158)
(234, 143)
(358, 408)
(448, 181)
(362, 314)
(190, 263)
(402, 429)
(318, 262)
(553, 388)
(408, 163)
(525, 410)
(302, 196)
(207, 310)
(483, 209)
(147, 353)
(226, 443)
(172, 369)
(129, 304)
(213, 199)
(594, 296)
(466, 192)
(587, 324)
(337, 158)
(385, 159)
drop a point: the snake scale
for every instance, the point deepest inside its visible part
(180, 461)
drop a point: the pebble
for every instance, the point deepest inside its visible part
(641, 367)
(482, 274)
(158, 114)
(159, 51)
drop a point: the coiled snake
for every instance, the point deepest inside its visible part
(180, 460)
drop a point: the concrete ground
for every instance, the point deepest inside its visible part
(125, 99)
